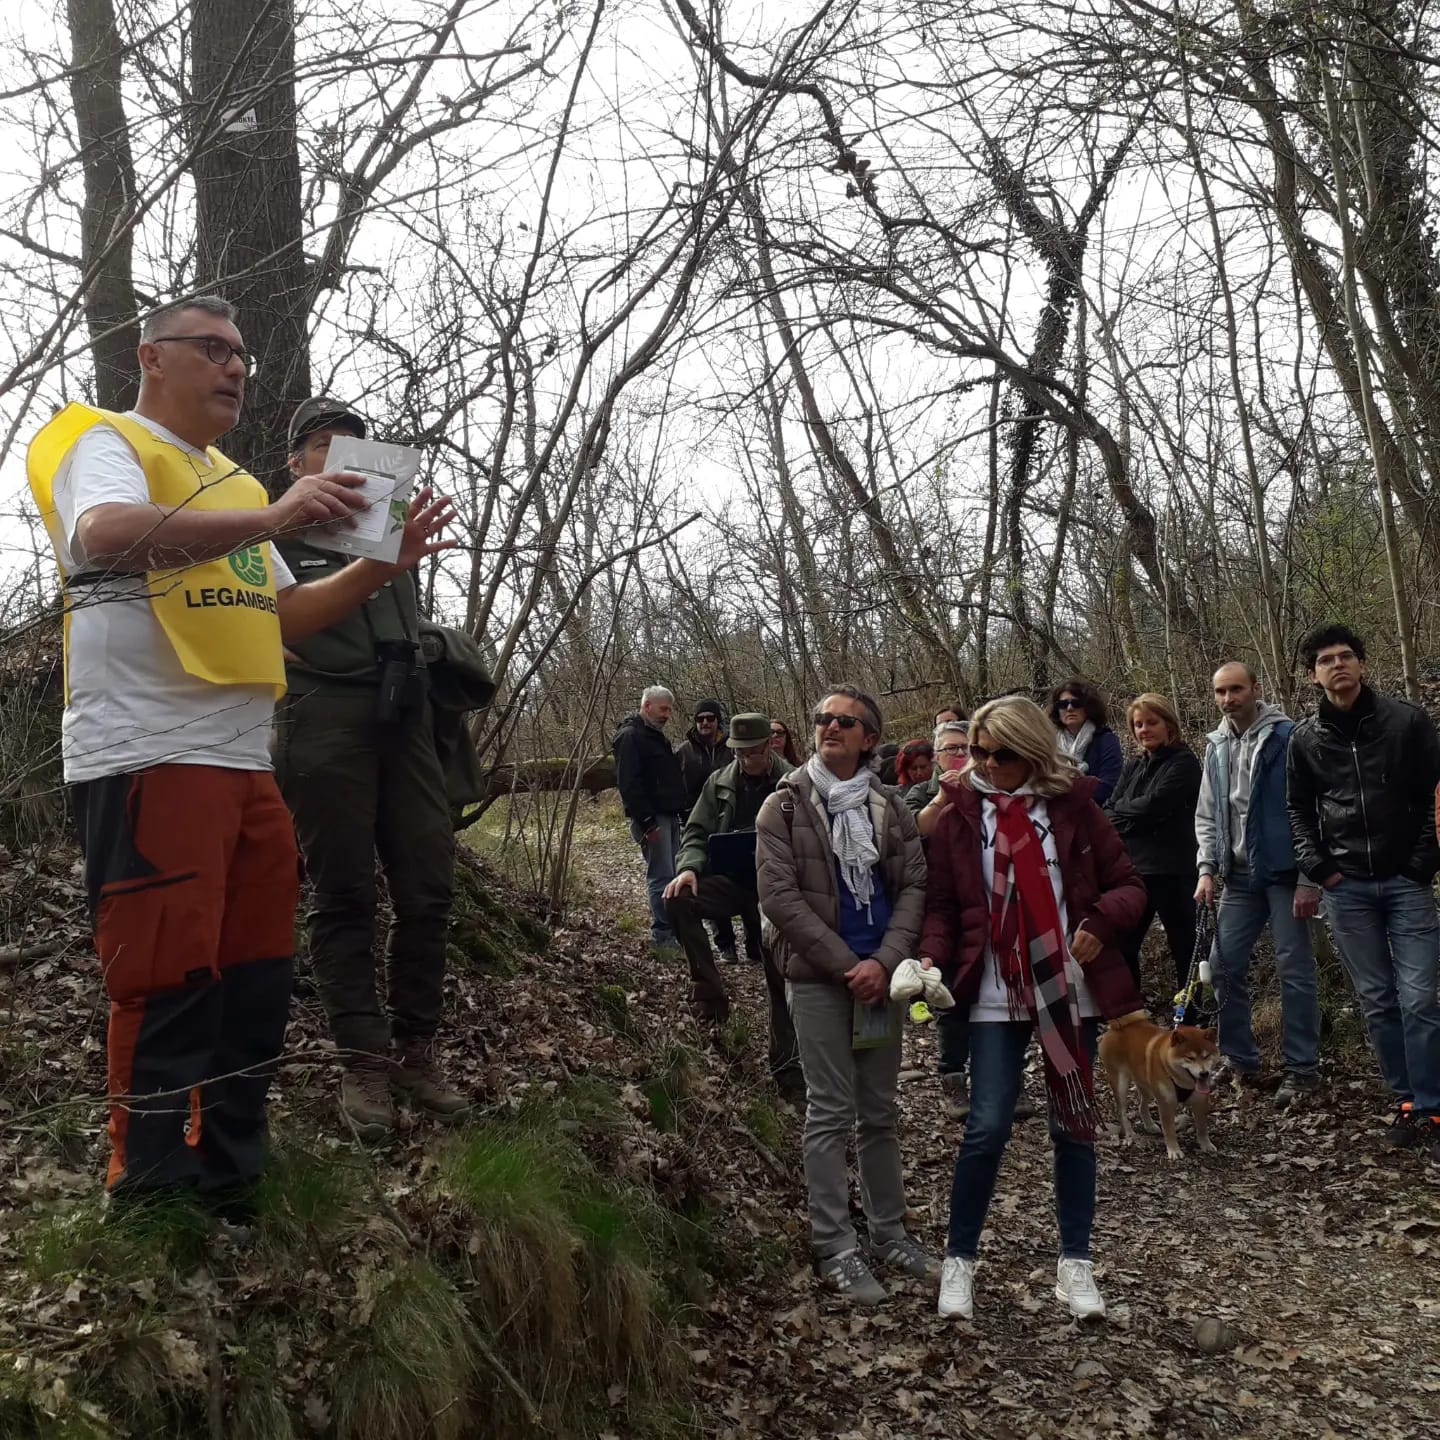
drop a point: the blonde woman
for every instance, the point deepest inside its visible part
(1153, 808)
(1029, 889)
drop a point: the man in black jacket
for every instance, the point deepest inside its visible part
(1362, 776)
(652, 789)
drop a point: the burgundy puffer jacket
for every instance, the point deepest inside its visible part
(1103, 892)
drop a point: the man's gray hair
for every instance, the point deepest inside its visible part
(874, 722)
(161, 321)
(655, 692)
(950, 727)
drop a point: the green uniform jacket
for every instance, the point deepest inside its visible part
(714, 812)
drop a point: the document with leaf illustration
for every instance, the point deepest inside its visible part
(389, 472)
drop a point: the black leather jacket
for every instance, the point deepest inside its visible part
(1365, 808)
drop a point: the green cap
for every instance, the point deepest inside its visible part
(320, 412)
(748, 729)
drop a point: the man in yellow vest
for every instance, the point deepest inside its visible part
(177, 610)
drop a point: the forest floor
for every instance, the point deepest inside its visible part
(668, 1292)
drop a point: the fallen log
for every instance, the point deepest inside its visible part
(594, 775)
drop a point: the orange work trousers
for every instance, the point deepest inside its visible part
(193, 879)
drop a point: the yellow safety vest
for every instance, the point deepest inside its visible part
(220, 615)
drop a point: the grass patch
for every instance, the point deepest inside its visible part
(763, 1121)
(629, 924)
(572, 1271)
(670, 1087)
(614, 1005)
(410, 1369)
(304, 1196)
(146, 1238)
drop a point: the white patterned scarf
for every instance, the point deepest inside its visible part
(1077, 744)
(851, 832)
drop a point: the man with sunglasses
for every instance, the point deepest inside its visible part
(178, 610)
(842, 880)
(701, 754)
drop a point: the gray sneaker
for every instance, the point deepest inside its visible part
(849, 1277)
(365, 1099)
(909, 1255)
(955, 1094)
(1295, 1086)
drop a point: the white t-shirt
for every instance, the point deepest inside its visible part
(993, 1003)
(132, 704)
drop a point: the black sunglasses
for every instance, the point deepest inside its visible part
(217, 351)
(824, 719)
(1003, 756)
(1069, 704)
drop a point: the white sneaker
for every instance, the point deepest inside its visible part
(1075, 1284)
(957, 1288)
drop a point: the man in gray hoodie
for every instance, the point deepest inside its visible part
(1243, 831)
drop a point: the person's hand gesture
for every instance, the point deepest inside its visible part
(317, 500)
(424, 521)
(683, 882)
(1084, 946)
(868, 982)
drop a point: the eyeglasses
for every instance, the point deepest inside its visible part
(824, 719)
(1069, 704)
(1324, 662)
(217, 351)
(951, 750)
(776, 733)
(1002, 756)
(707, 719)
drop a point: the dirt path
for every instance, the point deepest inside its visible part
(1317, 1247)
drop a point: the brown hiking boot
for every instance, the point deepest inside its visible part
(418, 1076)
(365, 1099)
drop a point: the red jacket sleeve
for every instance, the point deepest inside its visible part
(1121, 899)
(956, 921)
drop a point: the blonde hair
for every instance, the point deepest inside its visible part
(1016, 722)
(1156, 705)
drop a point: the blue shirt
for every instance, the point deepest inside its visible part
(863, 935)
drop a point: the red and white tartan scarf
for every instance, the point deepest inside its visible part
(1028, 943)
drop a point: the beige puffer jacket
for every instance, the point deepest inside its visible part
(796, 869)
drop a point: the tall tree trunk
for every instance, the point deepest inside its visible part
(247, 183)
(105, 239)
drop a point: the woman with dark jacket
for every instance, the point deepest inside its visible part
(1077, 710)
(1153, 808)
(1029, 890)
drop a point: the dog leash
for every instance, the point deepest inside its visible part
(1199, 979)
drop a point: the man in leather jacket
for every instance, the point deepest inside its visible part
(1362, 776)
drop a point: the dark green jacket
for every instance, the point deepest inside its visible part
(714, 812)
(919, 795)
(338, 659)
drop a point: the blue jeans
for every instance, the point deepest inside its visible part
(659, 856)
(1389, 940)
(1242, 914)
(997, 1063)
(952, 1037)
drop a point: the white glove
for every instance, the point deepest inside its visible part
(911, 982)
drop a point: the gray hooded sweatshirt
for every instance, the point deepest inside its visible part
(1238, 760)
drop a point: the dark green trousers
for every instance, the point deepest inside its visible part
(358, 792)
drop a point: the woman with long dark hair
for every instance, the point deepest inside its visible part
(1077, 710)
(782, 740)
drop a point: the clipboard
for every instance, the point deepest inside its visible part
(732, 853)
(875, 1026)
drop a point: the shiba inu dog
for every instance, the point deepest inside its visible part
(1170, 1068)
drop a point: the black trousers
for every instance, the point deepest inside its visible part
(1172, 899)
(356, 792)
(719, 897)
